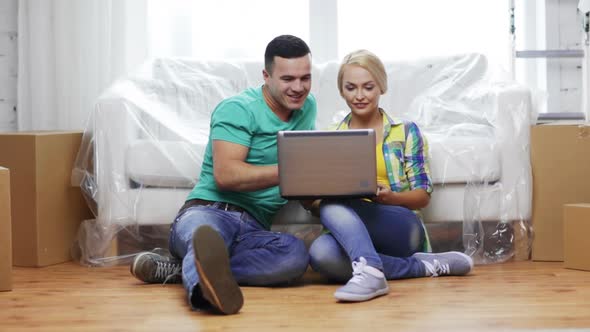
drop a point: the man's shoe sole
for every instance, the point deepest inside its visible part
(216, 279)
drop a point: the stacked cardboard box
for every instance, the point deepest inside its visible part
(46, 209)
(576, 229)
(5, 232)
(560, 158)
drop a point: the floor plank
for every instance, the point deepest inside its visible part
(515, 295)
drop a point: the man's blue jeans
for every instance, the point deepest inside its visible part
(385, 235)
(257, 257)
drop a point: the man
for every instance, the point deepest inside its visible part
(222, 231)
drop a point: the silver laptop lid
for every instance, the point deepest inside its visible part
(327, 164)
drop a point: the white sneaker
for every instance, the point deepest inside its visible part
(366, 283)
(452, 263)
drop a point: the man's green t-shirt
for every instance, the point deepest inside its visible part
(247, 120)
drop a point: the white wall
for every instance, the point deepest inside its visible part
(8, 64)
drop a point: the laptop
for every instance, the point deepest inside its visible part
(327, 163)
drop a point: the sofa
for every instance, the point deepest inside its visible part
(143, 147)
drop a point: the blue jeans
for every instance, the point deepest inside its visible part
(258, 257)
(385, 235)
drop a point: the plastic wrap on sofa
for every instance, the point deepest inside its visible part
(143, 147)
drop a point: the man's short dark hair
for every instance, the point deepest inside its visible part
(284, 46)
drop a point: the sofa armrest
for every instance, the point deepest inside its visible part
(513, 120)
(485, 133)
(113, 131)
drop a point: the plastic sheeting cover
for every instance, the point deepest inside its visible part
(143, 147)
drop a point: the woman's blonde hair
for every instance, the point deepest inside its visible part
(369, 62)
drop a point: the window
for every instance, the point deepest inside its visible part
(411, 29)
(392, 29)
(222, 29)
(550, 28)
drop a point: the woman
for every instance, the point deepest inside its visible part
(384, 237)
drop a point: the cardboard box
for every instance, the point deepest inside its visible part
(560, 158)
(576, 230)
(5, 232)
(46, 209)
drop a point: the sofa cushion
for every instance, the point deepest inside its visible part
(144, 206)
(164, 163)
(178, 164)
(460, 159)
(469, 203)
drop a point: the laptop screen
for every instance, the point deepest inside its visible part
(327, 164)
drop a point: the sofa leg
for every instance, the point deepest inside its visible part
(523, 240)
(134, 239)
(445, 236)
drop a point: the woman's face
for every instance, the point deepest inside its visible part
(360, 90)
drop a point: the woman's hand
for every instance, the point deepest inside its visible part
(413, 199)
(384, 194)
(312, 206)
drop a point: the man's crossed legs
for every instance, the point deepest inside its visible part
(221, 249)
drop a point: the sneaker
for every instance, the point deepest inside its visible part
(217, 282)
(366, 283)
(452, 263)
(154, 268)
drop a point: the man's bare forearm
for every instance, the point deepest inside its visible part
(241, 176)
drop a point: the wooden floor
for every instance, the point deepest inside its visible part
(516, 295)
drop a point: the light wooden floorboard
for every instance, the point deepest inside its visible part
(515, 295)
